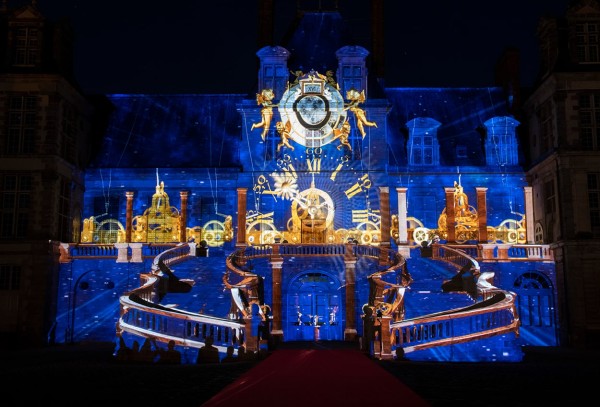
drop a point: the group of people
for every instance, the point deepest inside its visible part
(314, 319)
(149, 352)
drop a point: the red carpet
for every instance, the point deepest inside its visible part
(298, 377)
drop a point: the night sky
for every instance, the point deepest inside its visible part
(186, 46)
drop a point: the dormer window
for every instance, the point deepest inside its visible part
(586, 42)
(353, 77)
(423, 147)
(26, 46)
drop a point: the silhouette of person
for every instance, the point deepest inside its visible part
(170, 355)
(242, 353)
(368, 329)
(229, 357)
(135, 352)
(146, 354)
(400, 353)
(123, 352)
(208, 353)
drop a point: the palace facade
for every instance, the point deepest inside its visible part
(451, 223)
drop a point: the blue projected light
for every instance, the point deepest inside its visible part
(201, 149)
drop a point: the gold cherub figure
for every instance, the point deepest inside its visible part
(284, 133)
(343, 133)
(355, 97)
(264, 98)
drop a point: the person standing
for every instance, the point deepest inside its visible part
(208, 353)
(170, 355)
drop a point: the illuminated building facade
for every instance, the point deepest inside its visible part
(295, 213)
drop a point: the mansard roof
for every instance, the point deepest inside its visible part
(183, 131)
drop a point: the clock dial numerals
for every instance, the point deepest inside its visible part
(314, 165)
(263, 186)
(286, 166)
(313, 159)
(252, 216)
(339, 167)
(365, 215)
(361, 185)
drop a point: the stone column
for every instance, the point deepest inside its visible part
(136, 252)
(350, 263)
(129, 216)
(183, 219)
(276, 269)
(384, 211)
(122, 249)
(403, 248)
(402, 218)
(529, 215)
(482, 214)
(385, 338)
(64, 257)
(251, 323)
(450, 215)
(242, 195)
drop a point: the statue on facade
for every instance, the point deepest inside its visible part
(265, 99)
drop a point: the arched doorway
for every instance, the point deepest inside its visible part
(314, 308)
(535, 307)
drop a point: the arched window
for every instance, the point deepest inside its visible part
(539, 233)
(535, 299)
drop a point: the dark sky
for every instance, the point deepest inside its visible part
(194, 46)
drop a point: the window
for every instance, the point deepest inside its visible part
(549, 196)
(422, 151)
(589, 121)
(546, 134)
(423, 148)
(64, 211)
(534, 300)
(594, 202)
(356, 141)
(14, 206)
(275, 76)
(352, 77)
(21, 125)
(10, 277)
(539, 233)
(26, 46)
(586, 42)
(69, 133)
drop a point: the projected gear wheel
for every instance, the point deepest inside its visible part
(261, 232)
(213, 233)
(463, 234)
(510, 229)
(420, 235)
(370, 233)
(313, 209)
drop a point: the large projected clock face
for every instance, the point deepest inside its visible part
(312, 111)
(314, 108)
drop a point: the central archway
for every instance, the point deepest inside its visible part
(314, 308)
